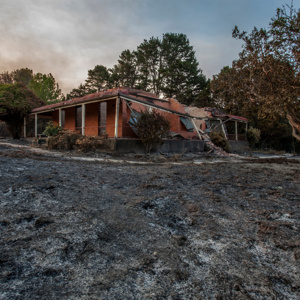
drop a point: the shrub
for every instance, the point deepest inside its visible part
(151, 126)
(253, 136)
(52, 129)
(68, 140)
(65, 140)
(88, 143)
(219, 139)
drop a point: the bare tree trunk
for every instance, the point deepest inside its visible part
(294, 122)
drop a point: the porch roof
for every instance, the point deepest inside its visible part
(125, 93)
(139, 96)
(113, 93)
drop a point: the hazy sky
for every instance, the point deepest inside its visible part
(69, 37)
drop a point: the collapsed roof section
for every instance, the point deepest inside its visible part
(210, 112)
(213, 112)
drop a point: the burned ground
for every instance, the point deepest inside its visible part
(87, 230)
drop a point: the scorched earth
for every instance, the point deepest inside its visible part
(96, 230)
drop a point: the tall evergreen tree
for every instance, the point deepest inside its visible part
(182, 78)
(128, 68)
(114, 76)
(206, 99)
(98, 79)
(149, 64)
(77, 92)
(166, 67)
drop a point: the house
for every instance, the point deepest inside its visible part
(113, 112)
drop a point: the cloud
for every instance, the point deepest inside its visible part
(65, 38)
(69, 37)
(212, 57)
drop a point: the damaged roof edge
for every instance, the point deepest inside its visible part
(125, 93)
(131, 98)
(88, 98)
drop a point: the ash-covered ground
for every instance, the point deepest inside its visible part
(97, 230)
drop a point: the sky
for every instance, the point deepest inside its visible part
(69, 37)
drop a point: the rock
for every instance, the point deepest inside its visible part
(42, 221)
(179, 239)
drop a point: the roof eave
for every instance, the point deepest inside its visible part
(77, 101)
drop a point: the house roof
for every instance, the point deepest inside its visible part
(139, 96)
(220, 114)
(149, 103)
(88, 98)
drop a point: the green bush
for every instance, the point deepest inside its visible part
(151, 126)
(219, 139)
(253, 136)
(16, 102)
(52, 129)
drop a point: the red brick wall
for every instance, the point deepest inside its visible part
(120, 124)
(176, 124)
(70, 118)
(124, 130)
(91, 118)
(110, 118)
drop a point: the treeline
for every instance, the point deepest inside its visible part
(43, 85)
(263, 85)
(166, 67)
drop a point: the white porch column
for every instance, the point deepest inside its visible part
(117, 117)
(236, 131)
(59, 117)
(195, 128)
(222, 128)
(35, 125)
(83, 119)
(24, 127)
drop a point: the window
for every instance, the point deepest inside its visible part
(63, 118)
(78, 118)
(187, 123)
(102, 118)
(134, 116)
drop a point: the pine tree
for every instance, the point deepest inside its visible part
(77, 92)
(182, 78)
(98, 79)
(128, 68)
